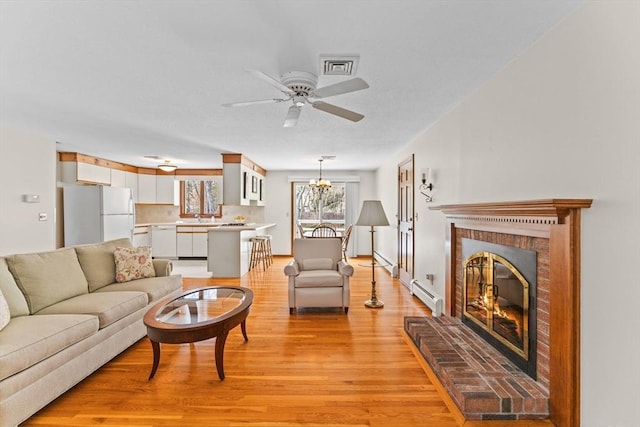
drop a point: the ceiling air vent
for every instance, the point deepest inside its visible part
(339, 65)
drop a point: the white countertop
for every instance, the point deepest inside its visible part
(246, 227)
(219, 226)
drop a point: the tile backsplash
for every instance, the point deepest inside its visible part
(150, 214)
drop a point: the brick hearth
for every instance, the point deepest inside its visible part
(551, 227)
(483, 383)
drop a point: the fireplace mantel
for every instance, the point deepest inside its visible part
(557, 220)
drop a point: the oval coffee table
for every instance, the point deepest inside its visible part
(197, 315)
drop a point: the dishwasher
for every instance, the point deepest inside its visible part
(163, 241)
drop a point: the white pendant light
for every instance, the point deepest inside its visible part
(167, 166)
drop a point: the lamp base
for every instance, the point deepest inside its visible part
(374, 303)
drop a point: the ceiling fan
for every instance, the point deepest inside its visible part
(299, 87)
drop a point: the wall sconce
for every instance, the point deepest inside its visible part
(426, 185)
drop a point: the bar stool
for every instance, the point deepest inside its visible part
(268, 248)
(258, 252)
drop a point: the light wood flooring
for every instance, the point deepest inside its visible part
(316, 367)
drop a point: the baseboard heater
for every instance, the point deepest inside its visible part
(388, 265)
(430, 300)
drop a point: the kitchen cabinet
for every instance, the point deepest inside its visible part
(118, 178)
(243, 185)
(146, 188)
(141, 236)
(93, 173)
(163, 241)
(200, 242)
(165, 189)
(157, 189)
(191, 241)
(131, 181)
(71, 171)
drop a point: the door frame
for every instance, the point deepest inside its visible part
(410, 161)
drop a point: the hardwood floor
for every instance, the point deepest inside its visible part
(316, 367)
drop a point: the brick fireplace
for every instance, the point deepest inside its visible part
(551, 230)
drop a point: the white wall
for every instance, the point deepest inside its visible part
(561, 121)
(278, 206)
(28, 167)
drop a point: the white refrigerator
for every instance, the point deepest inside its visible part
(95, 213)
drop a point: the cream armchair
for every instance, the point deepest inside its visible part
(318, 276)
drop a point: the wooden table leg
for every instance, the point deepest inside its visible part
(243, 326)
(220, 340)
(156, 358)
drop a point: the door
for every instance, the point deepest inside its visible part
(405, 221)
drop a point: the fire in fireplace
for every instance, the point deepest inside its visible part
(498, 299)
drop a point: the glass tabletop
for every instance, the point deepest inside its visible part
(201, 305)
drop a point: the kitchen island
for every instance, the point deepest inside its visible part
(229, 248)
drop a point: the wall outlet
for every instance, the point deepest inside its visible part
(429, 277)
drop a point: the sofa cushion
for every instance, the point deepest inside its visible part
(155, 288)
(98, 263)
(14, 296)
(29, 339)
(318, 264)
(133, 263)
(5, 315)
(46, 278)
(109, 307)
(318, 278)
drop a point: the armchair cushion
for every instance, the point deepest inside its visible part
(318, 264)
(318, 279)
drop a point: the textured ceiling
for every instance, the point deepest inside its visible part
(126, 79)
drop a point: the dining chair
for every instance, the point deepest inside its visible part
(324, 230)
(301, 231)
(345, 241)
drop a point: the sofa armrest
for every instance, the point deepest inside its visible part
(163, 267)
(292, 269)
(345, 268)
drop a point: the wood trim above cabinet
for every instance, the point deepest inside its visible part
(244, 160)
(83, 158)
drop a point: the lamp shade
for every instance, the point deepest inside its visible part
(372, 214)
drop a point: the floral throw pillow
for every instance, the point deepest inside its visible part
(133, 263)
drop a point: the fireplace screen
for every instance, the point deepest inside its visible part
(496, 298)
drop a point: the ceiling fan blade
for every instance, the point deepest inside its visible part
(245, 103)
(292, 116)
(338, 111)
(270, 80)
(339, 88)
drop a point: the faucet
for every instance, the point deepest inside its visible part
(197, 216)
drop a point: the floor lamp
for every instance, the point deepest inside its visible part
(372, 215)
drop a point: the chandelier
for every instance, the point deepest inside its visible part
(321, 185)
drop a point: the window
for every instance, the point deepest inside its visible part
(199, 197)
(313, 208)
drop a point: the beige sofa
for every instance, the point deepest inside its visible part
(68, 317)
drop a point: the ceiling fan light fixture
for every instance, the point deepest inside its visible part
(292, 116)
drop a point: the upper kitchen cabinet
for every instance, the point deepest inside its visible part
(76, 167)
(156, 187)
(243, 180)
(80, 168)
